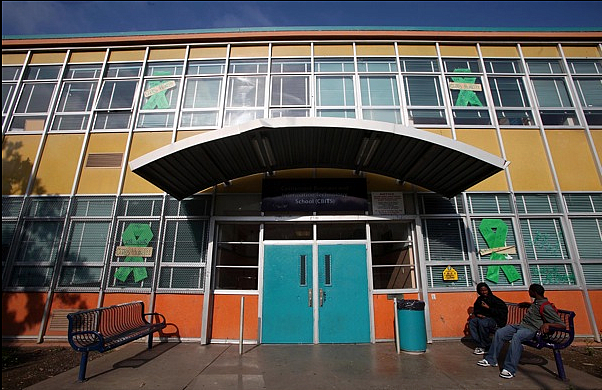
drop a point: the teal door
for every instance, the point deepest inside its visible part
(287, 312)
(295, 312)
(343, 292)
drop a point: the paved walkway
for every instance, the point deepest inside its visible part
(191, 366)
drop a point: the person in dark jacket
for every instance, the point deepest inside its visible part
(490, 313)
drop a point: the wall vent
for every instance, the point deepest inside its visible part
(104, 160)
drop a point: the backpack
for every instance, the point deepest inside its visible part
(543, 305)
(541, 312)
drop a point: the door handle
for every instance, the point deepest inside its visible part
(309, 297)
(322, 297)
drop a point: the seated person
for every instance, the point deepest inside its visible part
(490, 313)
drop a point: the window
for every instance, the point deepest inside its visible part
(38, 243)
(335, 96)
(503, 66)
(134, 245)
(77, 97)
(237, 257)
(589, 91)
(35, 98)
(245, 95)
(445, 246)
(502, 266)
(393, 263)
(510, 99)
(184, 254)
(86, 245)
(556, 107)
(380, 99)
(290, 96)
(159, 95)
(116, 100)
(547, 252)
(10, 76)
(202, 98)
(203, 95)
(424, 100)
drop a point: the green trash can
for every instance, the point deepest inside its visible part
(412, 326)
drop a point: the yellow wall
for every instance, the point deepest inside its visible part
(528, 167)
(59, 162)
(485, 139)
(18, 157)
(571, 154)
(102, 180)
(143, 143)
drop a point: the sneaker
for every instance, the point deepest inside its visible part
(479, 351)
(485, 363)
(506, 374)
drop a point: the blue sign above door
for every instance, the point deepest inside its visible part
(284, 195)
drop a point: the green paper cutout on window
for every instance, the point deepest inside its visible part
(136, 234)
(494, 232)
(466, 96)
(158, 99)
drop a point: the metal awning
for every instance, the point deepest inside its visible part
(428, 160)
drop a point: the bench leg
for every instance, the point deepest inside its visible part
(150, 341)
(559, 365)
(82, 367)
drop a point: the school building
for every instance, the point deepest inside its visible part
(300, 178)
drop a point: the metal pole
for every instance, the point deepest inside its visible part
(396, 326)
(242, 323)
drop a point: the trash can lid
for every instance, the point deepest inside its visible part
(410, 304)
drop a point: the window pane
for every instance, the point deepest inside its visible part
(544, 239)
(379, 91)
(544, 66)
(588, 235)
(503, 66)
(35, 98)
(335, 91)
(444, 239)
(203, 93)
(117, 94)
(87, 241)
(590, 92)
(290, 91)
(508, 92)
(246, 91)
(552, 93)
(423, 91)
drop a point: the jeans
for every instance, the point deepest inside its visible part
(480, 329)
(516, 334)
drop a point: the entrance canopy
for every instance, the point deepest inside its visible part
(428, 160)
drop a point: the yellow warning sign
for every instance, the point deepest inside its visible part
(450, 274)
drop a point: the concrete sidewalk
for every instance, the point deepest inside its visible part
(445, 365)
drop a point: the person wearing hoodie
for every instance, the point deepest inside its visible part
(489, 313)
(541, 316)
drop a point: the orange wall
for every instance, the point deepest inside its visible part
(75, 301)
(595, 296)
(183, 314)
(117, 298)
(449, 311)
(226, 317)
(22, 313)
(384, 316)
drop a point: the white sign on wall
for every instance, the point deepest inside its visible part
(387, 203)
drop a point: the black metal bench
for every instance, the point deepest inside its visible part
(556, 340)
(105, 328)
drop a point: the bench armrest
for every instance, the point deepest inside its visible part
(88, 340)
(158, 318)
